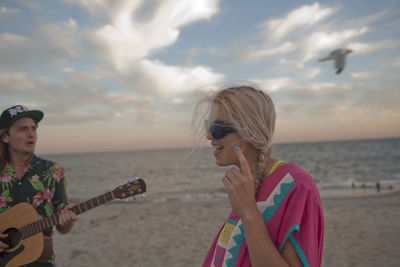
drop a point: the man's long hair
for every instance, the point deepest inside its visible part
(3, 149)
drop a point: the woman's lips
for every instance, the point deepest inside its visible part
(217, 150)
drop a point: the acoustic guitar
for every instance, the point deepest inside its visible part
(24, 226)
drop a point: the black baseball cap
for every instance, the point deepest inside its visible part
(11, 115)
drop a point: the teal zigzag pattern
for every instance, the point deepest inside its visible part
(235, 250)
(267, 215)
(269, 211)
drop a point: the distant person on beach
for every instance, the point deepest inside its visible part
(24, 177)
(277, 217)
(378, 187)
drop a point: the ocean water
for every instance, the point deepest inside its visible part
(180, 175)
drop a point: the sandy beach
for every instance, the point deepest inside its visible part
(360, 230)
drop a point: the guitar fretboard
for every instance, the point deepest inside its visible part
(48, 222)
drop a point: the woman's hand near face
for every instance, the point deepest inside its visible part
(239, 184)
(240, 187)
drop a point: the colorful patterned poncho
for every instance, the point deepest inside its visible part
(290, 205)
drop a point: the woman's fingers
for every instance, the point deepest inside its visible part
(244, 165)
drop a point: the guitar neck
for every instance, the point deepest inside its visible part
(48, 222)
(92, 203)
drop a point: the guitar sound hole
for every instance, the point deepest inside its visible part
(13, 238)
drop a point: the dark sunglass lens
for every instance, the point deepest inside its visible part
(217, 131)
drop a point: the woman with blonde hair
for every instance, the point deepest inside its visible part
(277, 217)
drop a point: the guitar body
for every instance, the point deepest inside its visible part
(24, 226)
(25, 250)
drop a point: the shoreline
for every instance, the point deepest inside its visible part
(222, 196)
(356, 192)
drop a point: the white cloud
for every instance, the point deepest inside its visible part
(18, 83)
(363, 48)
(71, 24)
(11, 39)
(290, 64)
(128, 39)
(68, 70)
(278, 50)
(327, 86)
(79, 117)
(177, 101)
(396, 62)
(303, 16)
(95, 7)
(127, 99)
(175, 79)
(53, 63)
(273, 85)
(311, 73)
(8, 10)
(356, 22)
(148, 116)
(301, 35)
(39, 45)
(364, 75)
(322, 40)
(59, 41)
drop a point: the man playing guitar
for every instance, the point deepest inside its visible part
(24, 177)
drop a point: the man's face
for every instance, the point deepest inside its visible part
(21, 137)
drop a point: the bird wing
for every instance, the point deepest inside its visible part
(325, 58)
(339, 61)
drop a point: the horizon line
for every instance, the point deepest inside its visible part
(207, 146)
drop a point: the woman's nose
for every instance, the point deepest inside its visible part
(209, 136)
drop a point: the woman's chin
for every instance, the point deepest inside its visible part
(221, 163)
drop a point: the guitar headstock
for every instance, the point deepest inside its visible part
(130, 189)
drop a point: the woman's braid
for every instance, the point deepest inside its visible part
(260, 170)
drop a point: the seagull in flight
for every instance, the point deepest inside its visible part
(339, 58)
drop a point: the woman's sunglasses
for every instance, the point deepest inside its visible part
(219, 129)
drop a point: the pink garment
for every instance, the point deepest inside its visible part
(290, 204)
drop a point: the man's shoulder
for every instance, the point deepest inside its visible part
(39, 161)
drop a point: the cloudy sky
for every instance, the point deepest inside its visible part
(124, 74)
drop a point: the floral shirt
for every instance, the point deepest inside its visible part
(43, 185)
